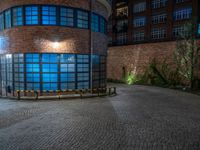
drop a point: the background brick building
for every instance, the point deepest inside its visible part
(140, 30)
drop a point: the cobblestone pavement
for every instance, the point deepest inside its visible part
(138, 118)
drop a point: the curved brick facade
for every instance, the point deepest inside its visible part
(70, 46)
(40, 38)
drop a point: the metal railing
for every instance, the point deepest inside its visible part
(59, 93)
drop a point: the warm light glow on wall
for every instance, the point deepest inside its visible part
(55, 45)
(68, 45)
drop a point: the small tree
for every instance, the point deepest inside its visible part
(186, 53)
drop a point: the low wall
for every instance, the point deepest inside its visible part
(136, 58)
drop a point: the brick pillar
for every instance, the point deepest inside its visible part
(130, 22)
(169, 12)
(149, 23)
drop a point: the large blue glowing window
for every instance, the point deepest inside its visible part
(31, 13)
(71, 72)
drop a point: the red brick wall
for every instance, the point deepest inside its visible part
(135, 58)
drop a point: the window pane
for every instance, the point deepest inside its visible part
(33, 58)
(17, 16)
(8, 19)
(50, 58)
(67, 58)
(1, 22)
(31, 13)
(49, 68)
(49, 15)
(46, 77)
(66, 17)
(82, 17)
(32, 68)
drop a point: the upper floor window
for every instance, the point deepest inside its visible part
(138, 36)
(49, 15)
(198, 29)
(17, 16)
(110, 40)
(109, 26)
(179, 31)
(8, 19)
(159, 18)
(158, 3)
(1, 22)
(184, 13)
(122, 25)
(31, 13)
(122, 12)
(181, 1)
(139, 22)
(66, 17)
(139, 7)
(158, 33)
(122, 38)
(95, 23)
(82, 19)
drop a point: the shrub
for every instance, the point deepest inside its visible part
(131, 79)
(160, 74)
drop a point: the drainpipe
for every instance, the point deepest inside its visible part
(91, 45)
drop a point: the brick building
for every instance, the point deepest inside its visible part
(52, 44)
(140, 30)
